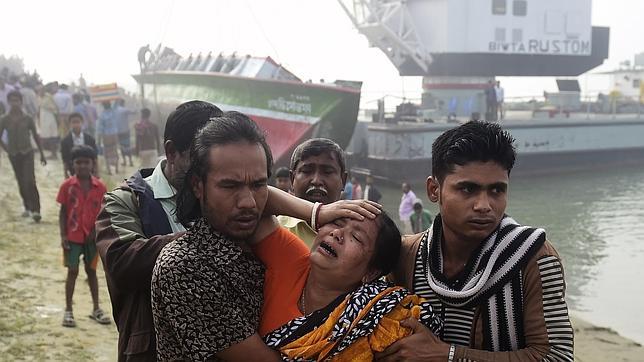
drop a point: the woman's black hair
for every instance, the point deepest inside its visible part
(387, 245)
(230, 127)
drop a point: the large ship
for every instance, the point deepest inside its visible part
(459, 47)
(288, 109)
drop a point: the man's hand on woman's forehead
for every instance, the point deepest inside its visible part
(352, 209)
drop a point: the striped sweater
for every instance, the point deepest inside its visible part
(547, 328)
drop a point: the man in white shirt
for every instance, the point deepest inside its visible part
(500, 94)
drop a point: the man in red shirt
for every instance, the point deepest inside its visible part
(80, 199)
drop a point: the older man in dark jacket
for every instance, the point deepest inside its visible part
(136, 222)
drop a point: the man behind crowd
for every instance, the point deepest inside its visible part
(207, 286)
(498, 285)
(147, 140)
(19, 127)
(122, 115)
(371, 193)
(283, 179)
(318, 174)
(137, 220)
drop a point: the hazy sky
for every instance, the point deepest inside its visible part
(312, 38)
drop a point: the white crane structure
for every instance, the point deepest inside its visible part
(459, 46)
(390, 27)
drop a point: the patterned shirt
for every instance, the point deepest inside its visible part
(206, 295)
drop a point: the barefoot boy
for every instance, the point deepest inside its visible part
(80, 199)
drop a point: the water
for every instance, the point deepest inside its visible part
(595, 220)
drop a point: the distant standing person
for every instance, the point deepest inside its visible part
(371, 193)
(76, 137)
(107, 133)
(406, 207)
(348, 190)
(65, 105)
(80, 199)
(147, 140)
(18, 126)
(356, 193)
(500, 96)
(421, 219)
(122, 115)
(490, 102)
(283, 179)
(49, 120)
(89, 122)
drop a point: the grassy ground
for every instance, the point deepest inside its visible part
(32, 277)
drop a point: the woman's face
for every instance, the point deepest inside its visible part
(342, 251)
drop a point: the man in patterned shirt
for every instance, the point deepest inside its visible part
(498, 286)
(207, 285)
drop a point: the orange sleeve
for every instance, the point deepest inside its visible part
(286, 259)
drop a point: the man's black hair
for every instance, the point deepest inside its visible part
(83, 151)
(75, 115)
(387, 245)
(282, 172)
(184, 122)
(230, 127)
(316, 147)
(14, 94)
(474, 141)
(145, 112)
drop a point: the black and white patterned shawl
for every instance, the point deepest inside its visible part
(492, 277)
(356, 302)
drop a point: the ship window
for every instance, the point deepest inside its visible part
(499, 34)
(636, 83)
(499, 7)
(517, 35)
(520, 8)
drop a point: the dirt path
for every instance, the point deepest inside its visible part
(32, 276)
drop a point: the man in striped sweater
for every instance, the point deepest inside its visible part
(498, 285)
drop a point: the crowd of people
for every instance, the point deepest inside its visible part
(204, 260)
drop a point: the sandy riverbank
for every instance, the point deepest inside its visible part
(32, 290)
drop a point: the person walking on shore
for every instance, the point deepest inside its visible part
(107, 134)
(21, 154)
(406, 207)
(48, 120)
(122, 115)
(147, 140)
(80, 201)
(421, 219)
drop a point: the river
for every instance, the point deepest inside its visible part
(595, 220)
